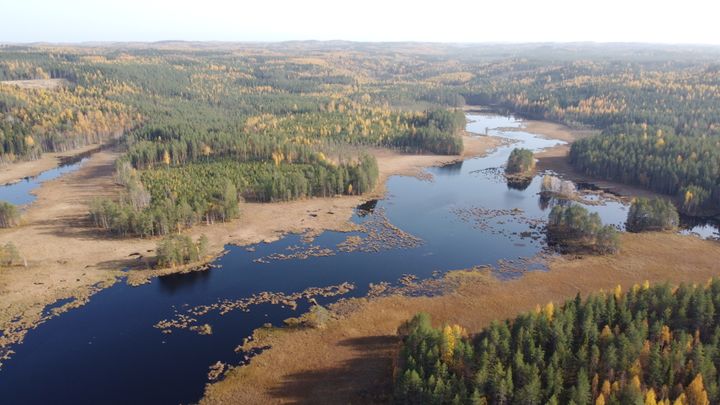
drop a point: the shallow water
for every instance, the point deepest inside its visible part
(20, 193)
(109, 352)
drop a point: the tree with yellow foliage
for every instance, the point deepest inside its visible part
(695, 392)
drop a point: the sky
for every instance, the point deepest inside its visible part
(658, 21)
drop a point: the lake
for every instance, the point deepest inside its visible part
(109, 351)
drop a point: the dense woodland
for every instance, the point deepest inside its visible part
(572, 229)
(656, 108)
(656, 214)
(177, 250)
(687, 167)
(651, 345)
(521, 162)
(205, 128)
(288, 121)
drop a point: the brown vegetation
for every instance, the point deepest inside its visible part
(351, 360)
(68, 258)
(14, 172)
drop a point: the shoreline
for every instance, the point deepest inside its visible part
(363, 333)
(555, 159)
(11, 173)
(351, 359)
(76, 258)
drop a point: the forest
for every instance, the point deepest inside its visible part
(521, 162)
(686, 167)
(176, 250)
(657, 113)
(651, 345)
(652, 214)
(201, 131)
(297, 121)
(572, 229)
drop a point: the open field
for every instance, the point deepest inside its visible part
(351, 360)
(36, 84)
(67, 257)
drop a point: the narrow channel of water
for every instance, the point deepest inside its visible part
(20, 193)
(109, 352)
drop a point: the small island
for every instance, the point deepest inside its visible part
(520, 168)
(656, 214)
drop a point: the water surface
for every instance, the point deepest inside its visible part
(109, 352)
(20, 193)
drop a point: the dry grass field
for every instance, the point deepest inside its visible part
(351, 360)
(36, 83)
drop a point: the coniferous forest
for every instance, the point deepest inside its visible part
(202, 131)
(304, 115)
(651, 345)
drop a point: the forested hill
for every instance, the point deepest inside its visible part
(651, 345)
(205, 127)
(657, 109)
(273, 113)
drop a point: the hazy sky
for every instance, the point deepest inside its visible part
(677, 21)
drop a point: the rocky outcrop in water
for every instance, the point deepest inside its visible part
(557, 186)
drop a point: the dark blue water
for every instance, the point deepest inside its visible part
(20, 193)
(109, 352)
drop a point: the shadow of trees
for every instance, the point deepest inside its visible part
(365, 378)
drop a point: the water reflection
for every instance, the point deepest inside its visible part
(453, 168)
(173, 283)
(519, 183)
(366, 208)
(466, 216)
(20, 193)
(548, 200)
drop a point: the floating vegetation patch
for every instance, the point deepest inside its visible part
(487, 220)
(379, 234)
(297, 252)
(494, 174)
(409, 285)
(216, 370)
(188, 319)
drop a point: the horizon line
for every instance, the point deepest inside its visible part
(218, 41)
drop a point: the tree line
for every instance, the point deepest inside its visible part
(652, 214)
(170, 199)
(177, 250)
(650, 345)
(687, 168)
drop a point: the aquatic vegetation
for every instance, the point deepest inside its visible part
(188, 319)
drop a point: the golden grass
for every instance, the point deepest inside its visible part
(351, 360)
